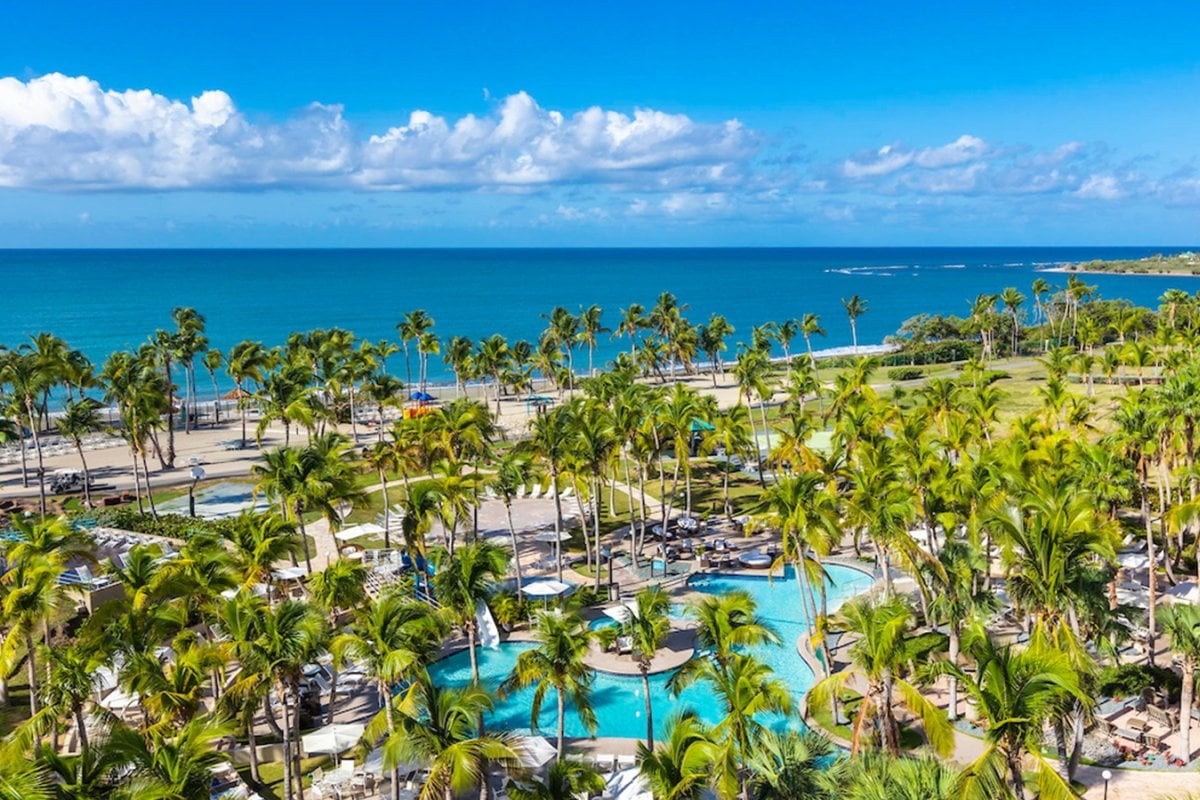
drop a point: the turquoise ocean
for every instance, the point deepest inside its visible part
(103, 300)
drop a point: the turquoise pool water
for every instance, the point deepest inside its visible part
(618, 700)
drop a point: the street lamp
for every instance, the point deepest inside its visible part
(197, 476)
(1107, 775)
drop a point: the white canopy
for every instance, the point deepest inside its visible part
(536, 751)
(1186, 592)
(289, 573)
(628, 784)
(354, 532)
(550, 537)
(1133, 560)
(120, 700)
(336, 738)
(546, 588)
(623, 612)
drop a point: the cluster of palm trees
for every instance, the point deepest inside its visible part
(945, 482)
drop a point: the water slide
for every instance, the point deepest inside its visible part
(489, 634)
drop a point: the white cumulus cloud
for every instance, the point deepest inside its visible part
(61, 132)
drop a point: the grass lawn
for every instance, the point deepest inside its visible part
(17, 710)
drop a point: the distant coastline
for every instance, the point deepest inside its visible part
(1178, 265)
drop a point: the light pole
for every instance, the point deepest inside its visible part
(1107, 775)
(197, 476)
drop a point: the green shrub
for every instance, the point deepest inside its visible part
(172, 526)
(1129, 680)
(905, 373)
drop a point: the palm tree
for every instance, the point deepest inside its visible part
(414, 325)
(288, 636)
(21, 371)
(633, 319)
(551, 436)
(79, 419)
(956, 599)
(1182, 623)
(877, 661)
(855, 308)
(682, 767)
(513, 471)
(1018, 692)
(732, 433)
(810, 326)
(339, 587)
(383, 458)
(876, 776)
(647, 627)
(1012, 300)
(175, 764)
(557, 664)
(729, 621)
(566, 779)
(589, 326)
(440, 727)
(745, 688)
(247, 362)
(790, 764)
(213, 360)
(463, 581)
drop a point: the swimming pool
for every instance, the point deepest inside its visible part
(618, 699)
(220, 500)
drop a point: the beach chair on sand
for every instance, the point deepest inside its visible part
(537, 492)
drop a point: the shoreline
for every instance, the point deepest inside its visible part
(1129, 273)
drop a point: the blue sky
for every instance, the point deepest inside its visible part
(265, 124)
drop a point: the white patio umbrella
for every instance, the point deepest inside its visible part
(536, 751)
(334, 739)
(1133, 560)
(546, 588)
(622, 612)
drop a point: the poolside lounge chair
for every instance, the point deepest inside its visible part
(537, 492)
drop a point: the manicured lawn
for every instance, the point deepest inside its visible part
(272, 775)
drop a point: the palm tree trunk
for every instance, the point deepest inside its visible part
(37, 445)
(512, 532)
(649, 707)
(252, 743)
(303, 536)
(471, 650)
(81, 727)
(954, 648)
(87, 480)
(387, 508)
(1186, 701)
(149, 494)
(33, 681)
(24, 465)
(562, 711)
(557, 519)
(296, 771)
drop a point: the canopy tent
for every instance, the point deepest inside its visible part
(536, 751)
(289, 574)
(354, 532)
(332, 739)
(422, 397)
(699, 425)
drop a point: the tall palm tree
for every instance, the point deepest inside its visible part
(513, 471)
(1012, 300)
(590, 325)
(1181, 622)
(551, 436)
(682, 768)
(384, 458)
(214, 360)
(745, 689)
(20, 369)
(633, 319)
(176, 764)
(810, 326)
(440, 727)
(877, 662)
(557, 664)
(414, 325)
(647, 627)
(855, 307)
(1018, 691)
(463, 581)
(247, 362)
(729, 621)
(732, 433)
(78, 420)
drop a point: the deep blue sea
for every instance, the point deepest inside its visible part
(102, 300)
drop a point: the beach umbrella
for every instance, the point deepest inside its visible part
(546, 589)
(422, 397)
(550, 537)
(536, 751)
(1133, 560)
(700, 425)
(237, 394)
(121, 700)
(332, 739)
